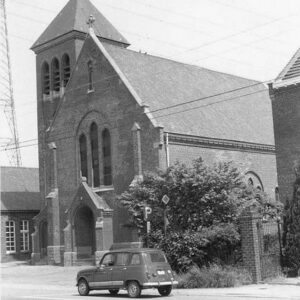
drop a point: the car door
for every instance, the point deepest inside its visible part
(103, 274)
(119, 268)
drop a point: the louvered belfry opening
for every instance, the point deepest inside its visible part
(66, 68)
(55, 75)
(294, 70)
(46, 79)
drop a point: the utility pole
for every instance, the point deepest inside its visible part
(6, 93)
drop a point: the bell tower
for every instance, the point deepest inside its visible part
(57, 50)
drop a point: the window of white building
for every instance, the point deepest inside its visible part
(10, 232)
(24, 235)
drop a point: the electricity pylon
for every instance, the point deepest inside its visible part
(6, 94)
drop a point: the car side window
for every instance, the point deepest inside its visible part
(108, 260)
(135, 259)
(122, 259)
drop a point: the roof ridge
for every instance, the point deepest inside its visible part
(73, 17)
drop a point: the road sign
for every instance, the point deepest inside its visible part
(147, 212)
(165, 199)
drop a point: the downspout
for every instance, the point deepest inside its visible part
(167, 150)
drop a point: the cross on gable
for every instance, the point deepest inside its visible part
(91, 21)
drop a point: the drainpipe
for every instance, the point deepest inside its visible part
(53, 215)
(53, 147)
(167, 150)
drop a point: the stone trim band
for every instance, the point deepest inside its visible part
(197, 141)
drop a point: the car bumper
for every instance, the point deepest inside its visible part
(158, 284)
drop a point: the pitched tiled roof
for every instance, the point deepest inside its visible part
(73, 17)
(243, 115)
(19, 189)
(292, 69)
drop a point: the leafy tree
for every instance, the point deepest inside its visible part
(291, 234)
(205, 203)
(200, 196)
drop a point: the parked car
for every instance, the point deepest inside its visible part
(130, 269)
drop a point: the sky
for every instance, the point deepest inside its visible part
(249, 38)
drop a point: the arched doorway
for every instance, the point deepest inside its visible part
(84, 225)
(43, 238)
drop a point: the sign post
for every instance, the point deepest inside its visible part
(147, 212)
(165, 199)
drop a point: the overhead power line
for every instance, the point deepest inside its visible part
(64, 136)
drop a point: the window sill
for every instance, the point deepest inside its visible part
(24, 251)
(46, 97)
(103, 188)
(90, 91)
(11, 252)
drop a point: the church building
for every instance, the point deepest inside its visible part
(106, 114)
(284, 93)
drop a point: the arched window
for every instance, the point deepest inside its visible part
(95, 155)
(45, 79)
(90, 70)
(55, 75)
(277, 194)
(66, 69)
(106, 150)
(254, 181)
(83, 156)
(250, 182)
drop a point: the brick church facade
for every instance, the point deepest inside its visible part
(106, 114)
(284, 93)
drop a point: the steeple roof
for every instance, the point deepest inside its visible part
(73, 17)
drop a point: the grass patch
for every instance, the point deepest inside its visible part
(214, 276)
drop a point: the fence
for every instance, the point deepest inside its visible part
(270, 248)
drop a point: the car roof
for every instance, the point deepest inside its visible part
(135, 250)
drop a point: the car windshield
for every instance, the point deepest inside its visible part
(155, 257)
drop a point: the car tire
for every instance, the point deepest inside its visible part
(165, 290)
(83, 287)
(114, 292)
(133, 289)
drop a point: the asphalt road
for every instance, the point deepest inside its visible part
(22, 281)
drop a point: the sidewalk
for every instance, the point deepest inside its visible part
(259, 291)
(64, 278)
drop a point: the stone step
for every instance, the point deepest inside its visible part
(85, 261)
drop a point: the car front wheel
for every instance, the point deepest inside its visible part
(133, 289)
(165, 290)
(83, 287)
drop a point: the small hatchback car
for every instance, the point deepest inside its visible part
(132, 269)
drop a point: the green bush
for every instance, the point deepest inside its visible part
(218, 243)
(183, 249)
(223, 243)
(214, 276)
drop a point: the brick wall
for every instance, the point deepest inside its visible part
(17, 217)
(45, 107)
(250, 223)
(286, 116)
(110, 106)
(263, 164)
